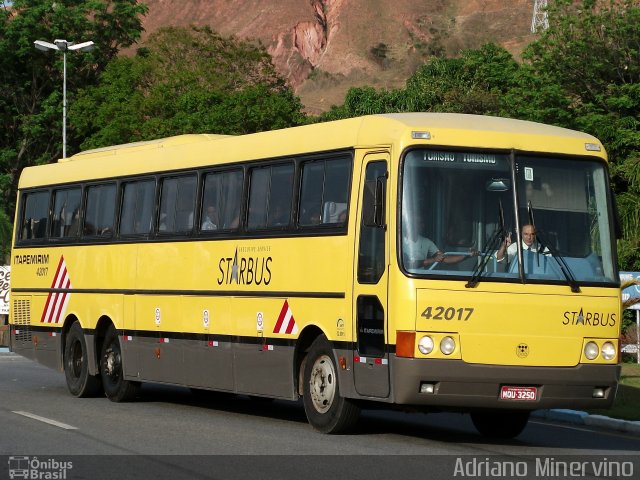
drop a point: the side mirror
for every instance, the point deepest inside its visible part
(617, 224)
(373, 214)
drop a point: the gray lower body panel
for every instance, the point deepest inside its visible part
(465, 386)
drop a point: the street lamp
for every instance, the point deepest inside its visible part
(63, 46)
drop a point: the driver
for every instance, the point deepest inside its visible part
(529, 242)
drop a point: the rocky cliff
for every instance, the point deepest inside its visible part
(323, 47)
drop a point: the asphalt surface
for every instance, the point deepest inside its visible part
(169, 432)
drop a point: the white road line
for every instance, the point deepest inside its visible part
(46, 420)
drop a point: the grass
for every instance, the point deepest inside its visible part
(627, 403)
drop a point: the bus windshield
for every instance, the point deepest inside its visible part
(459, 206)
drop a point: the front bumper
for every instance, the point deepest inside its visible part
(467, 386)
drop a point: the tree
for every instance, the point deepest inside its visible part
(185, 80)
(590, 55)
(31, 105)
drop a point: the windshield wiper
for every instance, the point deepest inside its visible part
(497, 237)
(564, 268)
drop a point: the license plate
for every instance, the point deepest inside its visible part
(527, 394)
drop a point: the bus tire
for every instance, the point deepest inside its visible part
(326, 410)
(116, 388)
(500, 423)
(76, 365)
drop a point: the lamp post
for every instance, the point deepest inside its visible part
(63, 46)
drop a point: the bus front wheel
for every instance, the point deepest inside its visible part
(327, 411)
(116, 388)
(500, 423)
(76, 365)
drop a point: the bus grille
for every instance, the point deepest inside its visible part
(22, 319)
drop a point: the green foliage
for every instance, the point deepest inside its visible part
(591, 51)
(31, 106)
(6, 228)
(186, 80)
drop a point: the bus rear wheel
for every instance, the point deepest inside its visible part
(116, 388)
(76, 365)
(327, 411)
(500, 424)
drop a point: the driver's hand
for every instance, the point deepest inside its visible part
(507, 239)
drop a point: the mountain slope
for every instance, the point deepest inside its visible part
(323, 47)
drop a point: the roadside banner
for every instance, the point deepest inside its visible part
(633, 291)
(5, 274)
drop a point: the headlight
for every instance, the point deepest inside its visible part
(447, 345)
(425, 345)
(591, 350)
(608, 351)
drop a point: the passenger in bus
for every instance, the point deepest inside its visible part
(74, 228)
(210, 221)
(529, 243)
(310, 216)
(279, 217)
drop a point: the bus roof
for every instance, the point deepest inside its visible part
(389, 130)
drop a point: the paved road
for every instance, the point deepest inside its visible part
(171, 433)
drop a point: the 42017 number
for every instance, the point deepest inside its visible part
(447, 313)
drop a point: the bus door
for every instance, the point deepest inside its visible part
(371, 356)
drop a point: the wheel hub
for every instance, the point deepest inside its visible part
(322, 384)
(111, 361)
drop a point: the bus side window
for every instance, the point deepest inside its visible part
(36, 214)
(66, 213)
(270, 195)
(100, 210)
(177, 204)
(221, 200)
(324, 192)
(137, 207)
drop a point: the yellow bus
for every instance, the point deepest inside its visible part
(349, 262)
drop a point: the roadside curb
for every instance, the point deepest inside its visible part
(576, 417)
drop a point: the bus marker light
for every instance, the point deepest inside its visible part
(592, 147)
(128, 338)
(381, 361)
(421, 135)
(427, 388)
(212, 343)
(52, 334)
(342, 362)
(267, 347)
(405, 344)
(164, 340)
